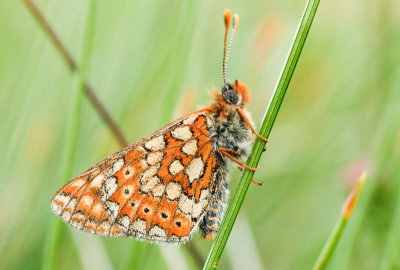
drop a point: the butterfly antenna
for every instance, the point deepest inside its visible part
(227, 17)
(235, 23)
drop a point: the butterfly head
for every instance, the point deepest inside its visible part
(235, 93)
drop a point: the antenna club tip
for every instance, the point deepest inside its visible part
(235, 21)
(227, 16)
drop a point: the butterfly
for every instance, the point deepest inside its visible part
(166, 185)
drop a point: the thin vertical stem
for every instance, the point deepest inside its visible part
(267, 124)
(333, 239)
(69, 61)
(56, 227)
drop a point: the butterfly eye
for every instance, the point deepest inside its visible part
(163, 215)
(230, 96)
(178, 223)
(146, 210)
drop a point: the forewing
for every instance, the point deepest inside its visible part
(169, 193)
(156, 189)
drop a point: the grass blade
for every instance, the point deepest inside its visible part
(56, 227)
(333, 239)
(267, 124)
(70, 62)
(386, 140)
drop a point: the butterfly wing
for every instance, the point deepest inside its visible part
(156, 189)
(79, 204)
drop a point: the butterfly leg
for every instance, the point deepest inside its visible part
(215, 212)
(252, 180)
(243, 115)
(228, 152)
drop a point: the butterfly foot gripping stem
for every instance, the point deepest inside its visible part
(243, 115)
(226, 152)
(252, 180)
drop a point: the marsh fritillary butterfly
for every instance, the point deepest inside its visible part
(164, 186)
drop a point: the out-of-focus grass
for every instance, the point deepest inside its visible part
(56, 228)
(146, 56)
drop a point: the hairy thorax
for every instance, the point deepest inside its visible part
(230, 131)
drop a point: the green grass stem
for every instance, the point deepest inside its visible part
(265, 130)
(332, 241)
(385, 143)
(57, 227)
(390, 258)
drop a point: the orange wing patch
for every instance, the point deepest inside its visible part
(156, 189)
(163, 201)
(79, 204)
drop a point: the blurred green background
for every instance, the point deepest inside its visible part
(152, 61)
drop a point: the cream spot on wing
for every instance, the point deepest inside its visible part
(154, 158)
(115, 231)
(77, 220)
(109, 187)
(156, 143)
(97, 181)
(194, 169)
(205, 193)
(66, 216)
(185, 204)
(124, 221)
(78, 183)
(103, 228)
(138, 226)
(190, 120)
(174, 238)
(112, 209)
(90, 226)
(158, 190)
(97, 208)
(173, 190)
(150, 184)
(71, 205)
(144, 164)
(157, 231)
(56, 208)
(141, 149)
(150, 172)
(182, 133)
(118, 165)
(87, 201)
(128, 172)
(175, 167)
(199, 207)
(61, 200)
(190, 148)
